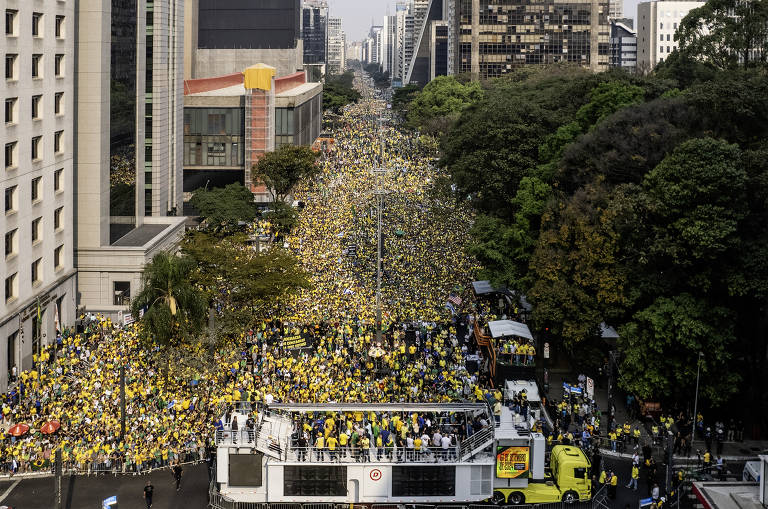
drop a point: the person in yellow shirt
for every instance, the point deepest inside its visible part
(343, 440)
(331, 443)
(319, 446)
(634, 477)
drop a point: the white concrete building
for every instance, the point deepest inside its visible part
(37, 181)
(337, 61)
(656, 25)
(128, 141)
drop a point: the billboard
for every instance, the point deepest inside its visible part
(513, 462)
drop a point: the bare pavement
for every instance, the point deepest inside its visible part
(88, 492)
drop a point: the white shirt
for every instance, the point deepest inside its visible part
(446, 442)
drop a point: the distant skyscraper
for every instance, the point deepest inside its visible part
(623, 45)
(616, 9)
(506, 34)
(314, 31)
(656, 24)
(336, 61)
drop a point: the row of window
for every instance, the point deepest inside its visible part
(38, 20)
(11, 149)
(11, 237)
(12, 64)
(11, 200)
(37, 100)
(661, 26)
(12, 281)
(670, 49)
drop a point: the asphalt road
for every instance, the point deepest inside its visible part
(83, 492)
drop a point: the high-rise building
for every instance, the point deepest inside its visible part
(496, 36)
(657, 23)
(615, 9)
(336, 61)
(314, 31)
(431, 42)
(623, 45)
(226, 36)
(37, 181)
(128, 144)
(389, 45)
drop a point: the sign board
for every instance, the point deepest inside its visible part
(590, 388)
(513, 462)
(109, 503)
(295, 342)
(128, 319)
(546, 350)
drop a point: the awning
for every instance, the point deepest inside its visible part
(608, 332)
(502, 328)
(483, 287)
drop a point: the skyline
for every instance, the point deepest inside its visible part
(356, 15)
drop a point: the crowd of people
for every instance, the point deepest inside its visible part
(172, 405)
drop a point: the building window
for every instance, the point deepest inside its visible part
(10, 287)
(58, 103)
(10, 199)
(122, 293)
(59, 27)
(12, 354)
(57, 179)
(36, 273)
(36, 146)
(10, 110)
(58, 65)
(423, 481)
(36, 188)
(10, 243)
(10, 22)
(10, 66)
(37, 24)
(36, 99)
(10, 153)
(301, 481)
(57, 215)
(661, 37)
(58, 257)
(58, 137)
(37, 229)
(37, 66)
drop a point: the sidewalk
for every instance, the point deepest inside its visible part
(732, 451)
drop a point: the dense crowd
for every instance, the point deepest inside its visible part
(171, 413)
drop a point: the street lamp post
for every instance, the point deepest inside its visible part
(696, 399)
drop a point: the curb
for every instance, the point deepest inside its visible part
(681, 459)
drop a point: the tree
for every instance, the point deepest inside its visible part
(403, 97)
(283, 217)
(726, 33)
(241, 283)
(338, 91)
(225, 207)
(174, 310)
(441, 102)
(282, 169)
(661, 345)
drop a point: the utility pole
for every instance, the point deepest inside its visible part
(696, 399)
(122, 402)
(380, 203)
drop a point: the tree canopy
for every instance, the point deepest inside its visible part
(282, 169)
(226, 206)
(441, 102)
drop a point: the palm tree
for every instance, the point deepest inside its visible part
(174, 310)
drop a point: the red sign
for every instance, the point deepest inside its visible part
(375, 474)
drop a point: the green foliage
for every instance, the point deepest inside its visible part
(224, 207)
(243, 284)
(282, 169)
(403, 97)
(338, 91)
(283, 217)
(726, 34)
(174, 308)
(441, 102)
(661, 345)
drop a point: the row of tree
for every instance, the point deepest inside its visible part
(639, 201)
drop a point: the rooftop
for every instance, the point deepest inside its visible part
(141, 235)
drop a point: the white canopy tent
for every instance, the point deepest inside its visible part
(502, 328)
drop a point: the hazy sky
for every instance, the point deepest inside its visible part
(357, 14)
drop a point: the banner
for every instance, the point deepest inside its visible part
(590, 388)
(513, 462)
(295, 341)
